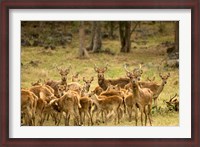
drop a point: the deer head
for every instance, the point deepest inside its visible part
(75, 78)
(64, 72)
(100, 71)
(62, 89)
(150, 79)
(164, 78)
(137, 72)
(113, 88)
(87, 83)
(39, 82)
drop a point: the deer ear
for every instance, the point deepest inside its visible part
(128, 74)
(118, 87)
(168, 74)
(92, 78)
(160, 75)
(105, 68)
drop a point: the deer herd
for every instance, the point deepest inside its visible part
(77, 104)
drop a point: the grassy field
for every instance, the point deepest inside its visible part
(39, 63)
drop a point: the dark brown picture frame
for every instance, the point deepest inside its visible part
(6, 5)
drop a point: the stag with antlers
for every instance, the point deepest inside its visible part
(143, 98)
(104, 83)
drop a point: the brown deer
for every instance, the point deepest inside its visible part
(85, 110)
(108, 104)
(75, 78)
(68, 103)
(42, 92)
(28, 107)
(137, 72)
(155, 87)
(143, 97)
(130, 102)
(87, 83)
(54, 84)
(98, 90)
(173, 103)
(104, 83)
(151, 80)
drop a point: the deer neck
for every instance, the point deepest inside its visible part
(102, 83)
(135, 90)
(160, 89)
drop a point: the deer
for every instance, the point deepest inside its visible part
(39, 83)
(98, 90)
(104, 83)
(151, 79)
(143, 98)
(42, 92)
(75, 78)
(87, 83)
(85, 110)
(68, 103)
(54, 84)
(108, 104)
(173, 103)
(155, 87)
(136, 72)
(28, 107)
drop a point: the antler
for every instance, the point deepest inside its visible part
(173, 97)
(150, 79)
(84, 79)
(96, 68)
(168, 75)
(92, 78)
(125, 67)
(106, 67)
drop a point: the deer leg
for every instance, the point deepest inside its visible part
(118, 114)
(136, 114)
(145, 112)
(129, 110)
(149, 114)
(142, 111)
(90, 117)
(156, 103)
(84, 118)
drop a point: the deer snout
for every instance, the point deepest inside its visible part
(100, 76)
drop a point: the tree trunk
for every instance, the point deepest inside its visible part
(90, 47)
(125, 36)
(96, 42)
(97, 38)
(111, 31)
(82, 51)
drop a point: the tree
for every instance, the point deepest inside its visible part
(125, 31)
(125, 35)
(82, 50)
(96, 41)
(111, 30)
